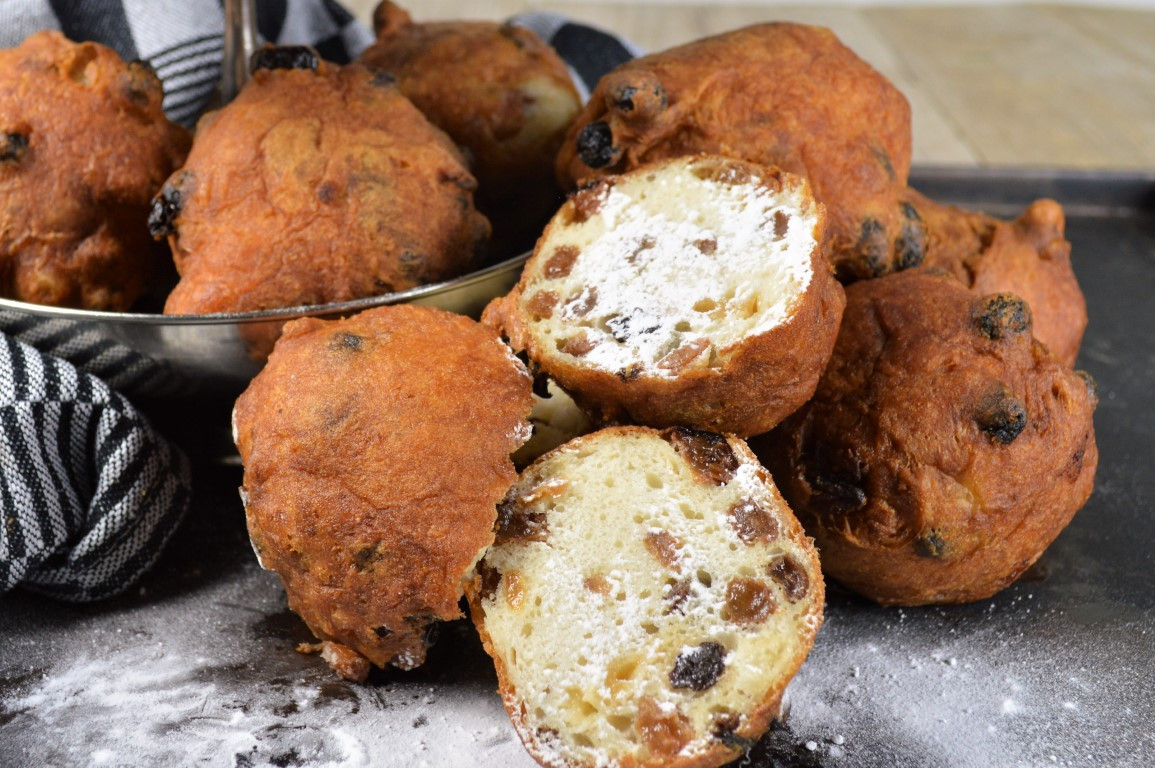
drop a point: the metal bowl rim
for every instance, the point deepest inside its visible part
(265, 315)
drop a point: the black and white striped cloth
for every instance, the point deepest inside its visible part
(89, 493)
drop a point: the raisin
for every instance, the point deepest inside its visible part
(1002, 417)
(366, 557)
(663, 545)
(561, 262)
(629, 373)
(624, 99)
(911, 245)
(677, 359)
(791, 576)
(748, 601)
(699, 668)
(595, 145)
(835, 479)
(1001, 316)
(636, 323)
(382, 79)
(708, 454)
(166, 207)
(723, 729)
(753, 523)
(542, 304)
(284, 57)
(872, 248)
(582, 303)
(930, 544)
(13, 147)
(588, 199)
(382, 631)
(598, 584)
(664, 733)
(515, 522)
(346, 342)
(679, 594)
(706, 246)
(489, 578)
(781, 224)
(577, 346)
(644, 96)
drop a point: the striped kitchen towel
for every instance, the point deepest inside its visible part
(89, 493)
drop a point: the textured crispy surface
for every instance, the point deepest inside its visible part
(743, 387)
(375, 451)
(777, 94)
(84, 146)
(500, 92)
(1029, 256)
(313, 187)
(647, 600)
(945, 448)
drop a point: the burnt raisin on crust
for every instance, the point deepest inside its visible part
(655, 602)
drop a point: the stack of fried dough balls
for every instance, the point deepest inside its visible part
(84, 145)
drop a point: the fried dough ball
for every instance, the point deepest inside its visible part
(779, 94)
(945, 448)
(316, 184)
(375, 451)
(500, 92)
(1029, 256)
(84, 145)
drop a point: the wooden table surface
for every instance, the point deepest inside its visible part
(1006, 85)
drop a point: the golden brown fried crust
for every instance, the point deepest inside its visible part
(778, 94)
(84, 145)
(375, 451)
(313, 187)
(945, 448)
(1029, 256)
(500, 92)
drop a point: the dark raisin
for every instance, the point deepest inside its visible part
(366, 557)
(624, 99)
(382, 631)
(930, 544)
(699, 668)
(1001, 316)
(911, 245)
(872, 247)
(382, 78)
(708, 454)
(490, 579)
(791, 576)
(166, 207)
(748, 601)
(723, 729)
(516, 523)
(753, 523)
(1002, 417)
(835, 477)
(636, 323)
(13, 147)
(346, 342)
(285, 57)
(595, 145)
